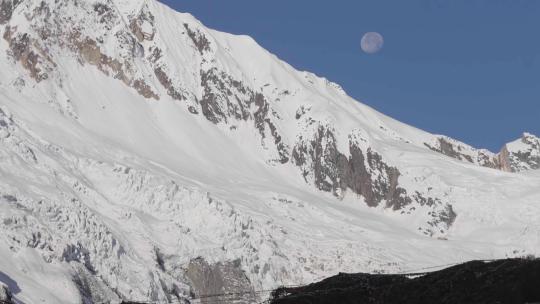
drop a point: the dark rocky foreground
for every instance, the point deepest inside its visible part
(502, 281)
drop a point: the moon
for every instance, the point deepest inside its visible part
(372, 42)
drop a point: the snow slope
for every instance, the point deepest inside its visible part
(144, 156)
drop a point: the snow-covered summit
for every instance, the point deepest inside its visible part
(144, 155)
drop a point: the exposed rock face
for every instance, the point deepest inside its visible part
(199, 39)
(504, 160)
(91, 288)
(91, 53)
(225, 99)
(5, 294)
(218, 279)
(460, 151)
(166, 82)
(447, 148)
(363, 172)
(33, 48)
(6, 10)
(25, 50)
(143, 25)
(521, 155)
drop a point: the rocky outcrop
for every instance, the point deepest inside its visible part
(504, 160)
(50, 30)
(199, 39)
(143, 25)
(223, 279)
(26, 51)
(363, 172)
(91, 288)
(521, 155)
(447, 148)
(6, 9)
(226, 99)
(167, 83)
(453, 148)
(90, 52)
(5, 294)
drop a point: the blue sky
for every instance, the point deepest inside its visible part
(469, 69)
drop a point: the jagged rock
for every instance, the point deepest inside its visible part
(332, 171)
(144, 89)
(24, 51)
(5, 294)
(92, 289)
(166, 82)
(91, 53)
(78, 253)
(521, 155)
(453, 148)
(9, 198)
(199, 39)
(6, 9)
(143, 25)
(208, 281)
(364, 173)
(33, 52)
(225, 98)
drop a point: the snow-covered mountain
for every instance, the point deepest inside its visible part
(145, 157)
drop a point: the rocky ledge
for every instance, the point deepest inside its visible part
(520, 155)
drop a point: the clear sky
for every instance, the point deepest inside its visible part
(469, 69)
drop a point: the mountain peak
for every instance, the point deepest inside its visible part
(529, 137)
(522, 154)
